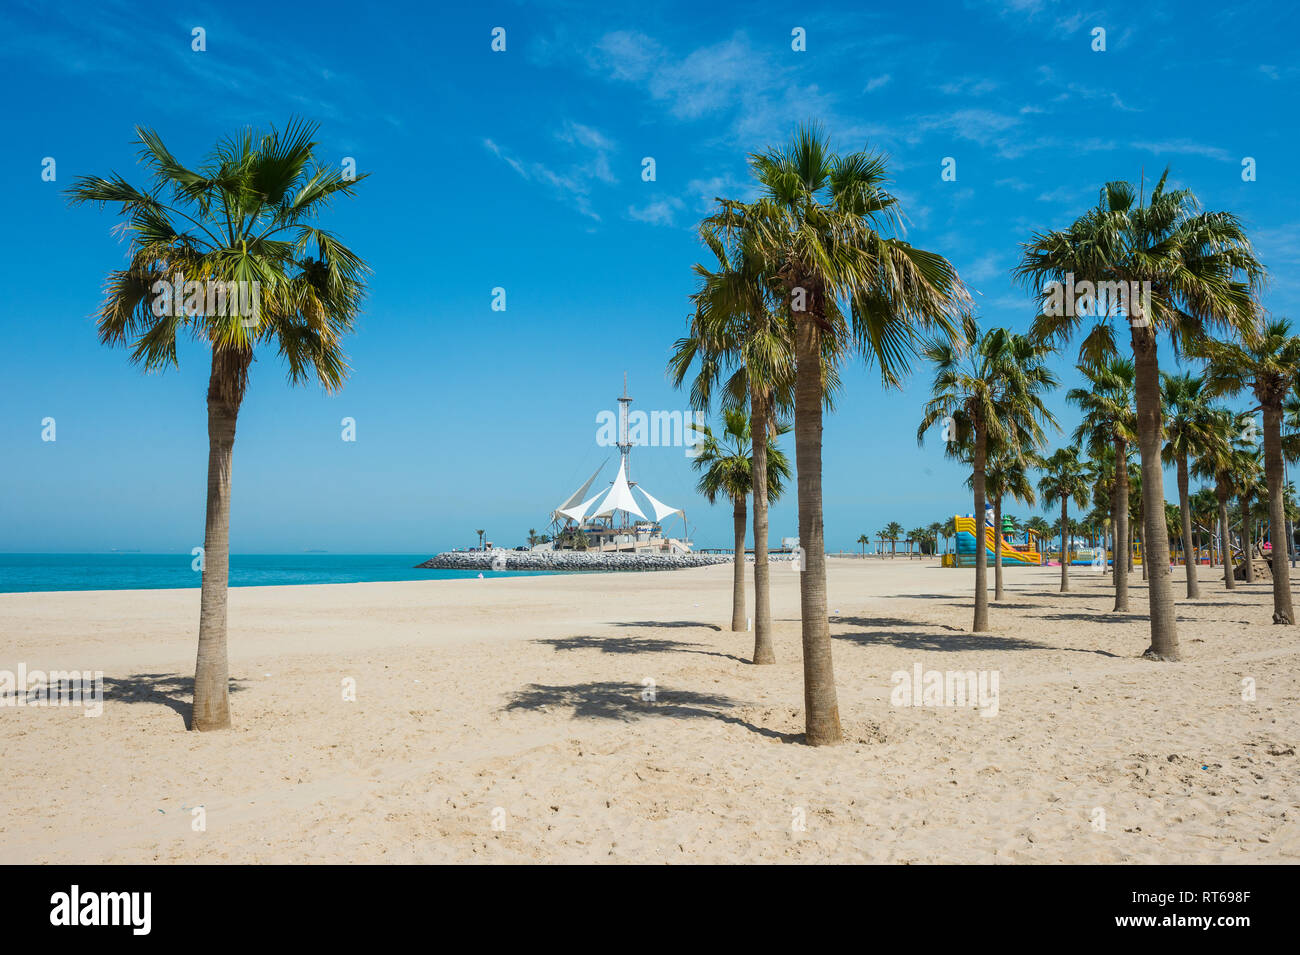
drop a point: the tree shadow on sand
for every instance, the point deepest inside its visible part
(611, 700)
(665, 623)
(633, 645)
(950, 639)
(171, 690)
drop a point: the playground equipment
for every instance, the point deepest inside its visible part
(1011, 553)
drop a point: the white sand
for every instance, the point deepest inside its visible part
(524, 694)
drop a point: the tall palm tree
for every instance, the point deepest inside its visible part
(248, 216)
(1202, 272)
(480, 533)
(727, 463)
(1267, 361)
(934, 531)
(1110, 420)
(991, 387)
(818, 229)
(1187, 422)
(742, 339)
(864, 540)
(1064, 479)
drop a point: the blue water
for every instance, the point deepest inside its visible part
(27, 573)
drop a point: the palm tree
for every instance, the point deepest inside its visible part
(1187, 422)
(1109, 421)
(1267, 361)
(1064, 479)
(480, 532)
(864, 540)
(1040, 528)
(742, 338)
(892, 532)
(1215, 463)
(532, 537)
(728, 469)
(991, 389)
(1006, 474)
(1247, 482)
(917, 536)
(246, 219)
(816, 229)
(1204, 510)
(933, 532)
(948, 529)
(1103, 477)
(1200, 271)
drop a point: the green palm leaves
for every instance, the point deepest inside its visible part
(247, 215)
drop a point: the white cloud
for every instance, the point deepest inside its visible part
(573, 182)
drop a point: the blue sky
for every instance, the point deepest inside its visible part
(522, 170)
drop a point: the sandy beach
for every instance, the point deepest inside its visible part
(504, 721)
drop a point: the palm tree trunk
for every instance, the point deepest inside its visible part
(1065, 544)
(1225, 542)
(763, 652)
(738, 518)
(1273, 473)
(821, 708)
(1247, 543)
(981, 623)
(1185, 511)
(212, 667)
(997, 549)
(1155, 540)
(1123, 542)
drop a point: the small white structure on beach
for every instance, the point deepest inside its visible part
(607, 518)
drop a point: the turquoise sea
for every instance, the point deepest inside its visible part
(26, 573)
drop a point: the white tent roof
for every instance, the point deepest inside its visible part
(619, 498)
(661, 509)
(579, 512)
(564, 510)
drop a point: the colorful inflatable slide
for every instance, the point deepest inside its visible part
(1011, 553)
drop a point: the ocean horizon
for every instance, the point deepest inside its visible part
(117, 570)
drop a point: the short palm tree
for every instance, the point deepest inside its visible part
(990, 386)
(248, 216)
(1215, 462)
(933, 532)
(1109, 421)
(1201, 272)
(727, 463)
(1006, 475)
(1267, 361)
(1064, 479)
(949, 530)
(819, 229)
(892, 532)
(1248, 483)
